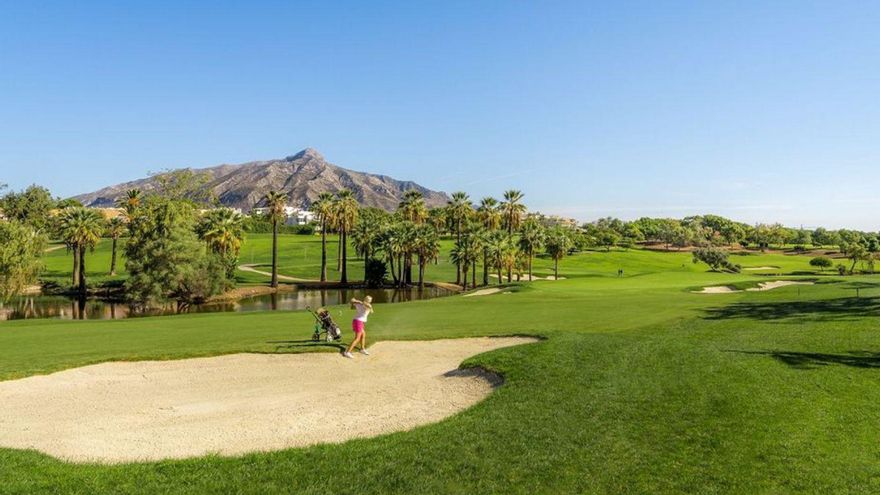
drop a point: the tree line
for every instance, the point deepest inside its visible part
(704, 230)
(175, 250)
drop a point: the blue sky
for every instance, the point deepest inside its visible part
(762, 111)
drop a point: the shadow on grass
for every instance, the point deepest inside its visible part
(812, 360)
(305, 343)
(848, 308)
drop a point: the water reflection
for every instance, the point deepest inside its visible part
(59, 307)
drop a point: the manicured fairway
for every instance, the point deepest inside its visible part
(300, 256)
(640, 387)
(58, 263)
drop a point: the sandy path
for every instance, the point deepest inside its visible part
(54, 248)
(250, 268)
(525, 278)
(151, 410)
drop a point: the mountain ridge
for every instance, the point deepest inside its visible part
(302, 176)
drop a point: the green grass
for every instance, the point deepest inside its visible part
(58, 264)
(300, 256)
(640, 387)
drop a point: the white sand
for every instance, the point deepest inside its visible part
(759, 268)
(775, 285)
(484, 292)
(763, 286)
(721, 289)
(151, 410)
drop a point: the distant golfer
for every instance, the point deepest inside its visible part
(358, 325)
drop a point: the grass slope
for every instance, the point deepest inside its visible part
(641, 386)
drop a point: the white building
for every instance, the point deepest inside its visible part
(300, 217)
(292, 215)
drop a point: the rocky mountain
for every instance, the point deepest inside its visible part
(302, 177)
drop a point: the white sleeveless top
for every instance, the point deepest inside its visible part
(362, 312)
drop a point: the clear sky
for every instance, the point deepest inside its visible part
(761, 111)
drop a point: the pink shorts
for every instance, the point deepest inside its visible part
(357, 326)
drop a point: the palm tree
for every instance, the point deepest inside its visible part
(476, 233)
(437, 218)
(495, 244)
(407, 240)
(393, 247)
(115, 229)
(465, 254)
(346, 214)
(488, 213)
(459, 209)
(365, 238)
(275, 201)
(82, 229)
(131, 201)
(509, 256)
(557, 245)
(412, 207)
(427, 248)
(222, 229)
(484, 237)
(512, 210)
(323, 209)
(531, 238)
(490, 217)
(65, 229)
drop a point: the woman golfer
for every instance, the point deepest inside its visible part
(358, 324)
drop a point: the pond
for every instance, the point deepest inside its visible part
(65, 308)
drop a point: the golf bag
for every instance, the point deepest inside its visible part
(324, 324)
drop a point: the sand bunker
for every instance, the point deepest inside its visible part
(763, 286)
(151, 410)
(721, 289)
(759, 268)
(484, 292)
(775, 285)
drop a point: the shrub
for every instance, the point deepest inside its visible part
(261, 225)
(821, 262)
(715, 258)
(20, 249)
(375, 273)
(841, 269)
(166, 260)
